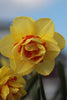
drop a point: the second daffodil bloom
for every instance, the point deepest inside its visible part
(11, 85)
(33, 45)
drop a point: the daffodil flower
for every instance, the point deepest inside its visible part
(32, 45)
(11, 85)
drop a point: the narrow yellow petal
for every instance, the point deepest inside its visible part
(4, 70)
(45, 68)
(4, 92)
(12, 64)
(14, 90)
(15, 52)
(31, 47)
(6, 45)
(45, 27)
(29, 40)
(42, 49)
(21, 27)
(23, 92)
(15, 84)
(60, 39)
(4, 80)
(21, 80)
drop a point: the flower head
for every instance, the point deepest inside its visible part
(32, 45)
(11, 85)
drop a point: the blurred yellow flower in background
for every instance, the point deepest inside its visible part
(32, 45)
(11, 85)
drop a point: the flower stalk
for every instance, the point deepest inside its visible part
(62, 80)
(42, 88)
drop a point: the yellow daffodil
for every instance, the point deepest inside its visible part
(11, 85)
(32, 45)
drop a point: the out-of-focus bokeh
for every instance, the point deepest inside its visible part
(54, 9)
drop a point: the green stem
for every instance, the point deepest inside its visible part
(42, 88)
(38, 94)
(30, 83)
(62, 80)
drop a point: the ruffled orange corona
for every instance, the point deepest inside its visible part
(32, 45)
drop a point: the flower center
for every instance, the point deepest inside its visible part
(11, 79)
(33, 47)
(29, 37)
(14, 78)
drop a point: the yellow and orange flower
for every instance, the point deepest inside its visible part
(11, 85)
(32, 45)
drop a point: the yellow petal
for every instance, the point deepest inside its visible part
(15, 52)
(41, 58)
(15, 84)
(32, 39)
(42, 49)
(4, 70)
(45, 68)
(16, 97)
(6, 45)
(14, 90)
(47, 38)
(21, 27)
(21, 80)
(23, 92)
(52, 50)
(60, 39)
(28, 71)
(45, 27)
(4, 80)
(31, 47)
(4, 61)
(4, 92)
(21, 67)
(10, 97)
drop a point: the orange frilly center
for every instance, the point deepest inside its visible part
(10, 80)
(8, 84)
(31, 50)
